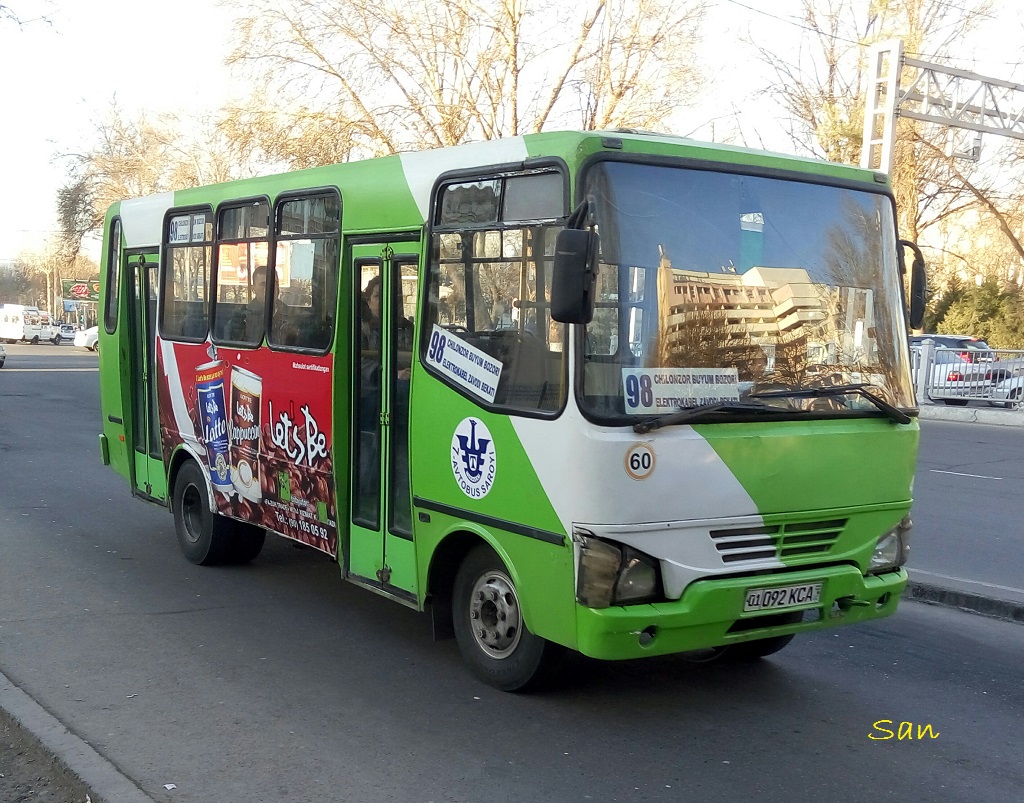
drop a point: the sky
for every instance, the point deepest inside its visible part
(61, 74)
(60, 77)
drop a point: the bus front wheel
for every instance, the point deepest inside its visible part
(762, 648)
(489, 626)
(205, 538)
(753, 650)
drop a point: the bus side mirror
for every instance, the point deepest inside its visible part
(573, 285)
(918, 293)
(918, 287)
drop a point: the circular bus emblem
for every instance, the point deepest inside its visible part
(474, 461)
(640, 461)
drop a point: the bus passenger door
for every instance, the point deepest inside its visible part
(149, 477)
(385, 279)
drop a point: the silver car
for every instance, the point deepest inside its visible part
(965, 344)
(1009, 393)
(960, 367)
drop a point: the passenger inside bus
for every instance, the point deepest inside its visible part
(284, 329)
(369, 407)
(257, 306)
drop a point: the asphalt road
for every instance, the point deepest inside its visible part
(279, 682)
(969, 503)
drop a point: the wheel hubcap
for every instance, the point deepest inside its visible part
(192, 513)
(495, 618)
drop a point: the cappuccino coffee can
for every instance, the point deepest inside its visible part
(246, 445)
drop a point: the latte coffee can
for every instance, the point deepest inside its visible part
(214, 424)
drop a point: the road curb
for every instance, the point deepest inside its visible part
(972, 415)
(73, 754)
(994, 608)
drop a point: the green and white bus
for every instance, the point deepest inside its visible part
(623, 393)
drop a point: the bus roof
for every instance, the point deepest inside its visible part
(393, 192)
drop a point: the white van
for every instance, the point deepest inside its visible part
(22, 323)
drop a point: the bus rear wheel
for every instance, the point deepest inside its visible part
(248, 542)
(489, 626)
(206, 538)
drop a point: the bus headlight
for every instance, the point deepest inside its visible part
(893, 548)
(608, 574)
(638, 577)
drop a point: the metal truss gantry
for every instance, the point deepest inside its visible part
(935, 94)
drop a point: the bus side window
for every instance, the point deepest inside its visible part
(188, 255)
(243, 253)
(229, 322)
(307, 252)
(193, 325)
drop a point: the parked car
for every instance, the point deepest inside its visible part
(960, 367)
(3, 355)
(1009, 393)
(972, 349)
(1001, 369)
(955, 380)
(88, 338)
(67, 332)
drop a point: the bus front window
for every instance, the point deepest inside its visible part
(713, 286)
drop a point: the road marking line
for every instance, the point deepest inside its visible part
(48, 370)
(959, 474)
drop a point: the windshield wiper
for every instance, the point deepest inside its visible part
(689, 413)
(895, 413)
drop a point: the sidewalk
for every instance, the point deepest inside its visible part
(42, 760)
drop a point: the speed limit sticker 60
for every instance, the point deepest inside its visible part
(640, 461)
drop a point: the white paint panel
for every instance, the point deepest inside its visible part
(141, 219)
(582, 468)
(668, 515)
(182, 420)
(422, 168)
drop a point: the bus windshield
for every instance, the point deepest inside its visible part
(714, 287)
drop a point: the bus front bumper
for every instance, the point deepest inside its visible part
(710, 613)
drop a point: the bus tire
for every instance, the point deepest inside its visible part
(489, 626)
(753, 650)
(761, 648)
(248, 542)
(205, 537)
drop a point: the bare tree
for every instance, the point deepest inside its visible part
(11, 14)
(39, 275)
(20, 283)
(339, 78)
(135, 157)
(938, 197)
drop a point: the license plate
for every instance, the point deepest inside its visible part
(780, 597)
